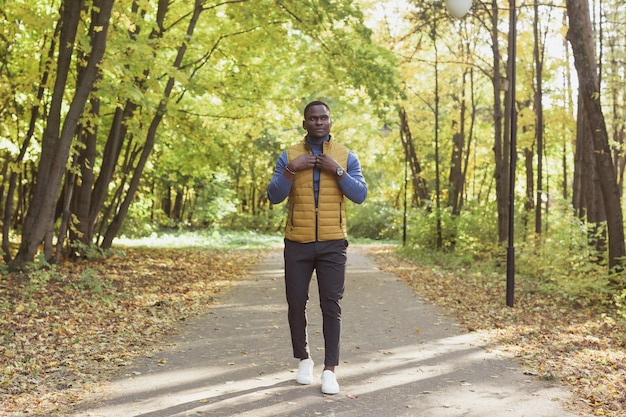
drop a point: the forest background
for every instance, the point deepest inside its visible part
(135, 118)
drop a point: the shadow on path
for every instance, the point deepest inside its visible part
(400, 357)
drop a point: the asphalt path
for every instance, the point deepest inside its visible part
(400, 357)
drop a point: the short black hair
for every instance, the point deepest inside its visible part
(314, 103)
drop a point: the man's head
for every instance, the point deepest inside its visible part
(317, 120)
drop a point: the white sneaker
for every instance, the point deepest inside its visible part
(305, 372)
(329, 383)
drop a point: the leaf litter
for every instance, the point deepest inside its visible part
(68, 328)
(60, 337)
(554, 338)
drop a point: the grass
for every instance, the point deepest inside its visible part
(216, 239)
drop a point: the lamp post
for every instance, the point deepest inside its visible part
(458, 9)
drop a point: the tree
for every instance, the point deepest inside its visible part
(538, 54)
(420, 188)
(580, 36)
(58, 134)
(175, 76)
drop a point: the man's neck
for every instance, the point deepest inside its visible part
(317, 141)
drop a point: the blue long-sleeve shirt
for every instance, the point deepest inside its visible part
(352, 185)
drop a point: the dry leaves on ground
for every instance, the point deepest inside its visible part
(62, 329)
(555, 339)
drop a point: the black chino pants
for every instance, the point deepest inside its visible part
(328, 260)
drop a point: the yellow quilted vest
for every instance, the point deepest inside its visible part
(305, 222)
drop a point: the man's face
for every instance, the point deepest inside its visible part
(317, 122)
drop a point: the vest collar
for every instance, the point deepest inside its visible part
(309, 141)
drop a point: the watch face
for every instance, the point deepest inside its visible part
(340, 171)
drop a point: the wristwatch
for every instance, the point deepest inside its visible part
(340, 172)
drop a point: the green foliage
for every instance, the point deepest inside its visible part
(374, 220)
(93, 252)
(557, 263)
(620, 302)
(270, 222)
(39, 274)
(90, 282)
(617, 282)
(473, 231)
(560, 262)
(433, 258)
(139, 220)
(214, 201)
(4, 269)
(246, 69)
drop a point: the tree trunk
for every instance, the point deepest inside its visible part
(500, 151)
(470, 139)
(420, 188)
(65, 214)
(85, 162)
(578, 185)
(618, 100)
(166, 202)
(456, 173)
(177, 214)
(34, 116)
(529, 204)
(120, 216)
(570, 110)
(55, 146)
(81, 202)
(581, 39)
(457, 168)
(588, 201)
(118, 131)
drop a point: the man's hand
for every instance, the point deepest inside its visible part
(327, 163)
(304, 161)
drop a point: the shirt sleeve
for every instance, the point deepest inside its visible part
(279, 187)
(353, 184)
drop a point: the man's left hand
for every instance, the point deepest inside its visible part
(326, 163)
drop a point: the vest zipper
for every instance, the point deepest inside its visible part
(340, 215)
(316, 200)
(316, 224)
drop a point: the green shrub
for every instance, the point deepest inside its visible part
(620, 302)
(374, 220)
(270, 221)
(471, 232)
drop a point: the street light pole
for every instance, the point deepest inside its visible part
(510, 253)
(458, 9)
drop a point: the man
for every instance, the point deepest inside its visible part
(316, 174)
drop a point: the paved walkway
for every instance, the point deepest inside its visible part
(401, 357)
